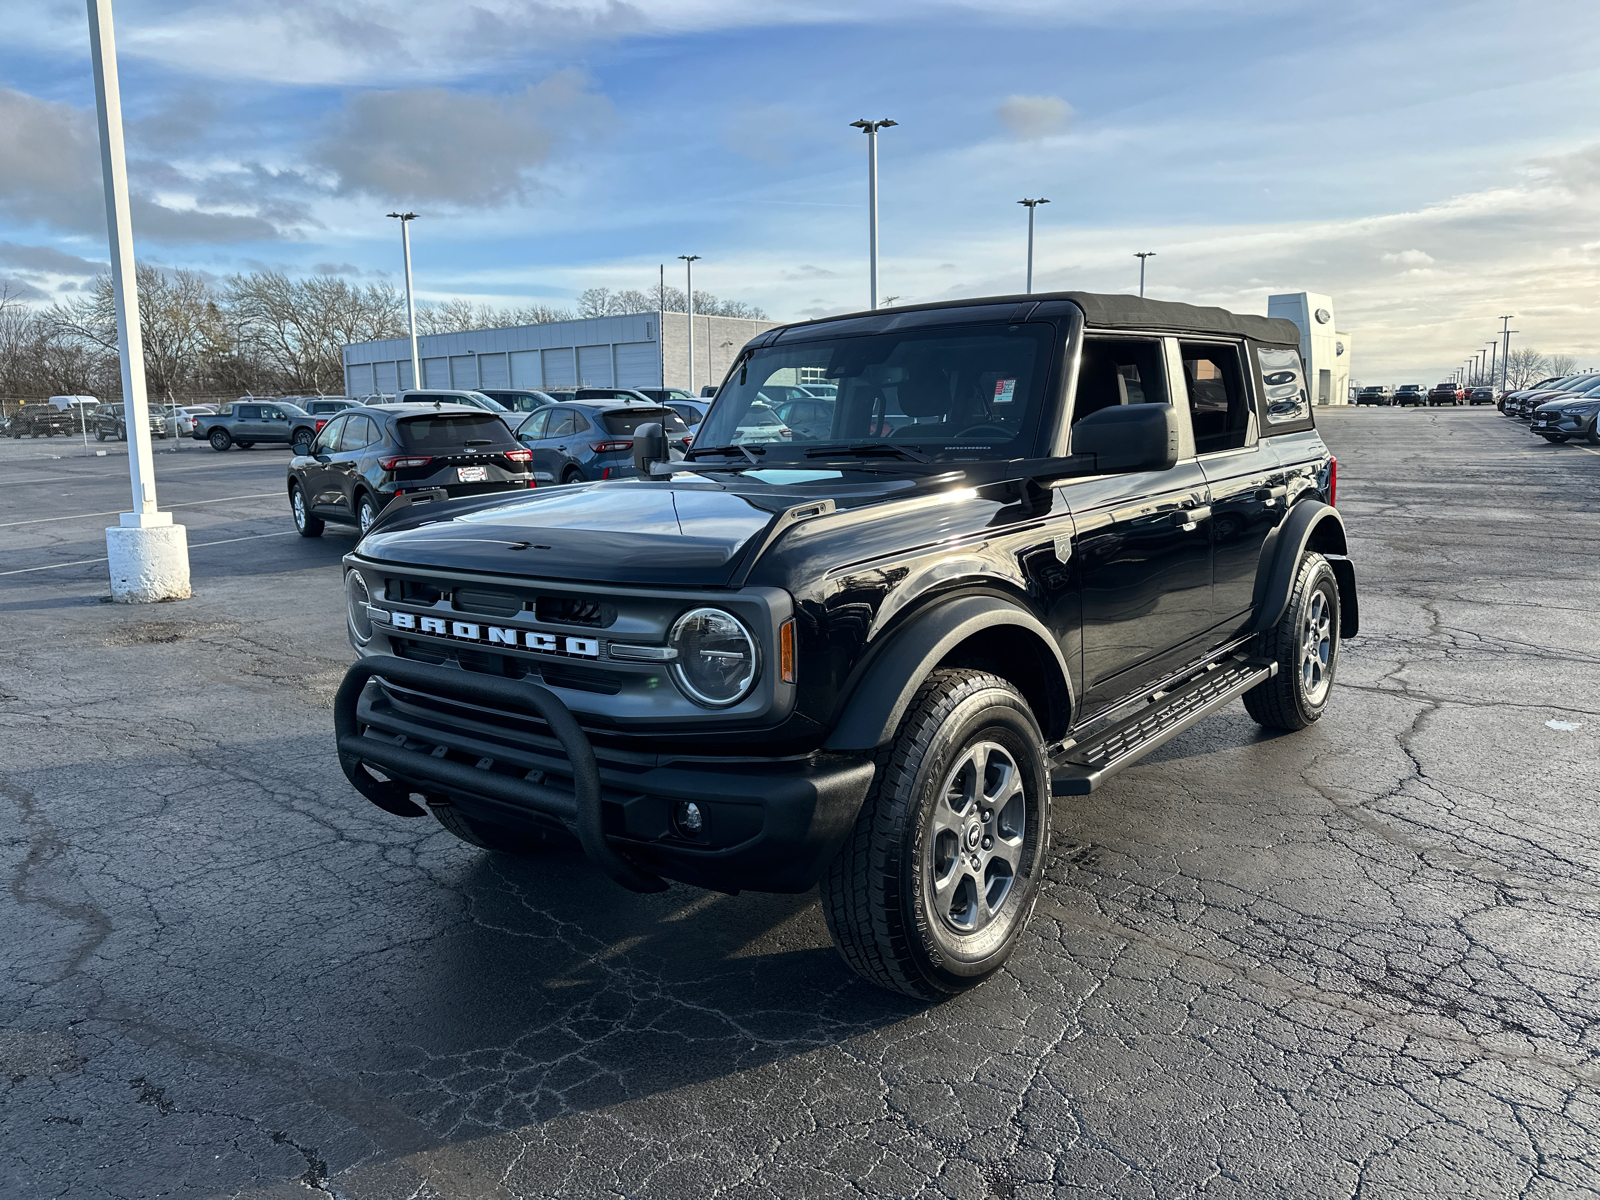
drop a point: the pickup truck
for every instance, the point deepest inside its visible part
(245, 422)
(42, 420)
(1445, 393)
(868, 661)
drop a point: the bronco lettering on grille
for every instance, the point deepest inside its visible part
(496, 635)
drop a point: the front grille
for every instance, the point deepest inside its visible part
(574, 610)
(510, 666)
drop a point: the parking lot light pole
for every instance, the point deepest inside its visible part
(1505, 347)
(1031, 205)
(147, 555)
(688, 265)
(1141, 256)
(1494, 346)
(405, 220)
(870, 128)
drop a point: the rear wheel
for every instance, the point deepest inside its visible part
(220, 439)
(484, 834)
(933, 887)
(99, 435)
(304, 522)
(1305, 645)
(571, 475)
(366, 512)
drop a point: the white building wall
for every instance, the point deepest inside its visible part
(1326, 351)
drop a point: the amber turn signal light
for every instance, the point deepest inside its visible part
(786, 651)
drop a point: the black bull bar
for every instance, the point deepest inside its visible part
(578, 809)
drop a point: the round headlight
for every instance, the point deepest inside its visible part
(717, 658)
(356, 598)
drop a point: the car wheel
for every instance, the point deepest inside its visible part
(99, 435)
(572, 475)
(933, 887)
(485, 835)
(366, 512)
(1305, 645)
(245, 445)
(220, 439)
(304, 522)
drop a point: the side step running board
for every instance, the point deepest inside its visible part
(1079, 769)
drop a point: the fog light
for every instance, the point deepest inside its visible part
(689, 819)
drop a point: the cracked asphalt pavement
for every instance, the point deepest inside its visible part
(1356, 961)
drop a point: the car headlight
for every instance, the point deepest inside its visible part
(356, 600)
(717, 659)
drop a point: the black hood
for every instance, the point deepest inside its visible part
(695, 531)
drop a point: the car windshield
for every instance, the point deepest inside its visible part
(627, 420)
(452, 431)
(964, 393)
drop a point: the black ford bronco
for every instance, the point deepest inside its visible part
(1043, 535)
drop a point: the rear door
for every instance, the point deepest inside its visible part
(344, 467)
(1246, 480)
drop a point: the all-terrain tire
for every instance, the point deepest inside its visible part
(484, 834)
(1305, 645)
(881, 894)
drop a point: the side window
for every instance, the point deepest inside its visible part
(328, 438)
(690, 414)
(533, 428)
(1119, 371)
(247, 412)
(358, 432)
(1284, 385)
(272, 414)
(1219, 401)
(580, 424)
(560, 423)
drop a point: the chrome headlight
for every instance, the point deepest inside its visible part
(717, 659)
(356, 600)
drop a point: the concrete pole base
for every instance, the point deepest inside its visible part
(149, 563)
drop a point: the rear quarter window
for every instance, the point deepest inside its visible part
(1285, 404)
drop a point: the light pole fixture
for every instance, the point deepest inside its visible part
(688, 265)
(147, 555)
(405, 220)
(1141, 255)
(1031, 205)
(870, 128)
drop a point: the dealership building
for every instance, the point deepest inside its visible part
(1325, 350)
(639, 350)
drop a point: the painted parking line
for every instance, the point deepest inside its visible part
(83, 562)
(117, 512)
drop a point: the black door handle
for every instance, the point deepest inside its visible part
(1187, 518)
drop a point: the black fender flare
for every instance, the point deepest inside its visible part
(889, 679)
(1312, 525)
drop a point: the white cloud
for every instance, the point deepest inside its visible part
(1035, 116)
(1409, 258)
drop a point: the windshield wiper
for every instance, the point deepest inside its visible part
(726, 450)
(864, 448)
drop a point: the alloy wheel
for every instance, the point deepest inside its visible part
(975, 848)
(1316, 648)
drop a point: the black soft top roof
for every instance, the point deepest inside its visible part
(1100, 310)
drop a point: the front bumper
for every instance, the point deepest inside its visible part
(511, 753)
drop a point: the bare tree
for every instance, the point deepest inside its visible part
(1525, 367)
(1561, 364)
(302, 326)
(177, 311)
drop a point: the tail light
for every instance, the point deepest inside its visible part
(393, 461)
(1333, 481)
(785, 433)
(605, 447)
(520, 455)
(321, 421)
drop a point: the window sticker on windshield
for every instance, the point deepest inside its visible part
(1005, 390)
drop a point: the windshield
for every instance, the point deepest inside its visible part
(958, 393)
(447, 432)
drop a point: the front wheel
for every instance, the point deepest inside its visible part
(366, 513)
(220, 439)
(99, 435)
(933, 887)
(1305, 645)
(306, 524)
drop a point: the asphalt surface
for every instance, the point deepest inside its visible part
(1353, 961)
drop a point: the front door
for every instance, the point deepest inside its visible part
(274, 424)
(1143, 544)
(320, 485)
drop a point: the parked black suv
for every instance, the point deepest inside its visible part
(111, 421)
(365, 458)
(1374, 394)
(863, 661)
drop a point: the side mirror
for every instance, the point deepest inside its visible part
(649, 446)
(1129, 437)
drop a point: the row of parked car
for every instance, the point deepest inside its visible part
(1414, 395)
(79, 415)
(468, 442)
(1559, 409)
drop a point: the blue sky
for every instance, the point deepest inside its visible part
(1429, 165)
